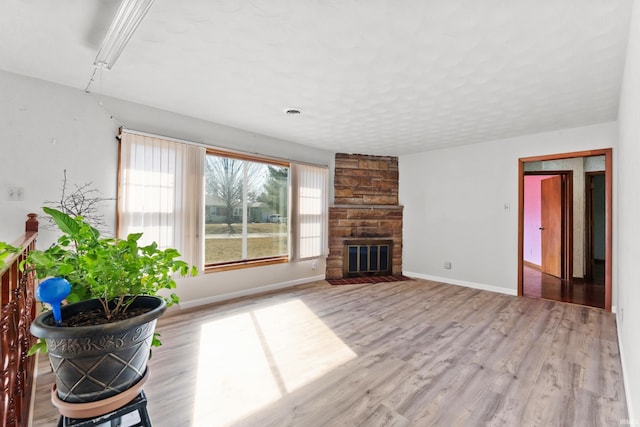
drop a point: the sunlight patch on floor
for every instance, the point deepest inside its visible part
(251, 359)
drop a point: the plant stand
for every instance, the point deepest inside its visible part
(138, 404)
(111, 409)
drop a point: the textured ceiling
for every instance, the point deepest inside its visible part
(373, 77)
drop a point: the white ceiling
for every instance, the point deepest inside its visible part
(384, 77)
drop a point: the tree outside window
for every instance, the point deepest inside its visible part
(246, 206)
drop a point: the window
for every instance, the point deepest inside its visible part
(220, 209)
(248, 202)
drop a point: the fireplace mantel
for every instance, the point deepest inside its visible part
(389, 207)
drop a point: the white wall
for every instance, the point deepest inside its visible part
(461, 205)
(84, 126)
(45, 129)
(628, 215)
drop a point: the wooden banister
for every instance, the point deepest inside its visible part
(17, 304)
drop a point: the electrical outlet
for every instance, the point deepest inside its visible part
(621, 314)
(16, 194)
(314, 264)
(447, 265)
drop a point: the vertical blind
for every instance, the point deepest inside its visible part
(310, 208)
(161, 193)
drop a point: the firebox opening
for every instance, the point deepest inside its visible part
(367, 258)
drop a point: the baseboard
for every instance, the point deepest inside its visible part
(462, 283)
(532, 265)
(627, 391)
(248, 292)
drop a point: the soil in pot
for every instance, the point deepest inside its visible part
(97, 317)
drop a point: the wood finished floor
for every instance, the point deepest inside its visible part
(537, 284)
(414, 353)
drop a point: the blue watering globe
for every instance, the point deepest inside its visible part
(52, 291)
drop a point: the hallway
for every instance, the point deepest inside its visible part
(537, 284)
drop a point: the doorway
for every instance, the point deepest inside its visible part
(548, 221)
(595, 226)
(574, 239)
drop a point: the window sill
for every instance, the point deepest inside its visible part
(214, 268)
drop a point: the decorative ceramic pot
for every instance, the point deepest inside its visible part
(93, 363)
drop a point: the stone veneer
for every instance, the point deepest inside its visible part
(365, 206)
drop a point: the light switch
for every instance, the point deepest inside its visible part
(16, 194)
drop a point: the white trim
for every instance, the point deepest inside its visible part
(463, 283)
(247, 292)
(627, 391)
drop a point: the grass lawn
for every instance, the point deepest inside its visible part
(258, 227)
(230, 249)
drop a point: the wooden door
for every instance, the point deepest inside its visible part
(551, 225)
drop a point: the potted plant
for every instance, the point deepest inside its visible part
(102, 347)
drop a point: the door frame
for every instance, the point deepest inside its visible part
(607, 152)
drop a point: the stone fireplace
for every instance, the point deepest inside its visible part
(365, 222)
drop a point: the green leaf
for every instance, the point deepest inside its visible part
(171, 253)
(5, 250)
(65, 223)
(94, 231)
(40, 258)
(134, 237)
(65, 269)
(155, 342)
(39, 346)
(73, 297)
